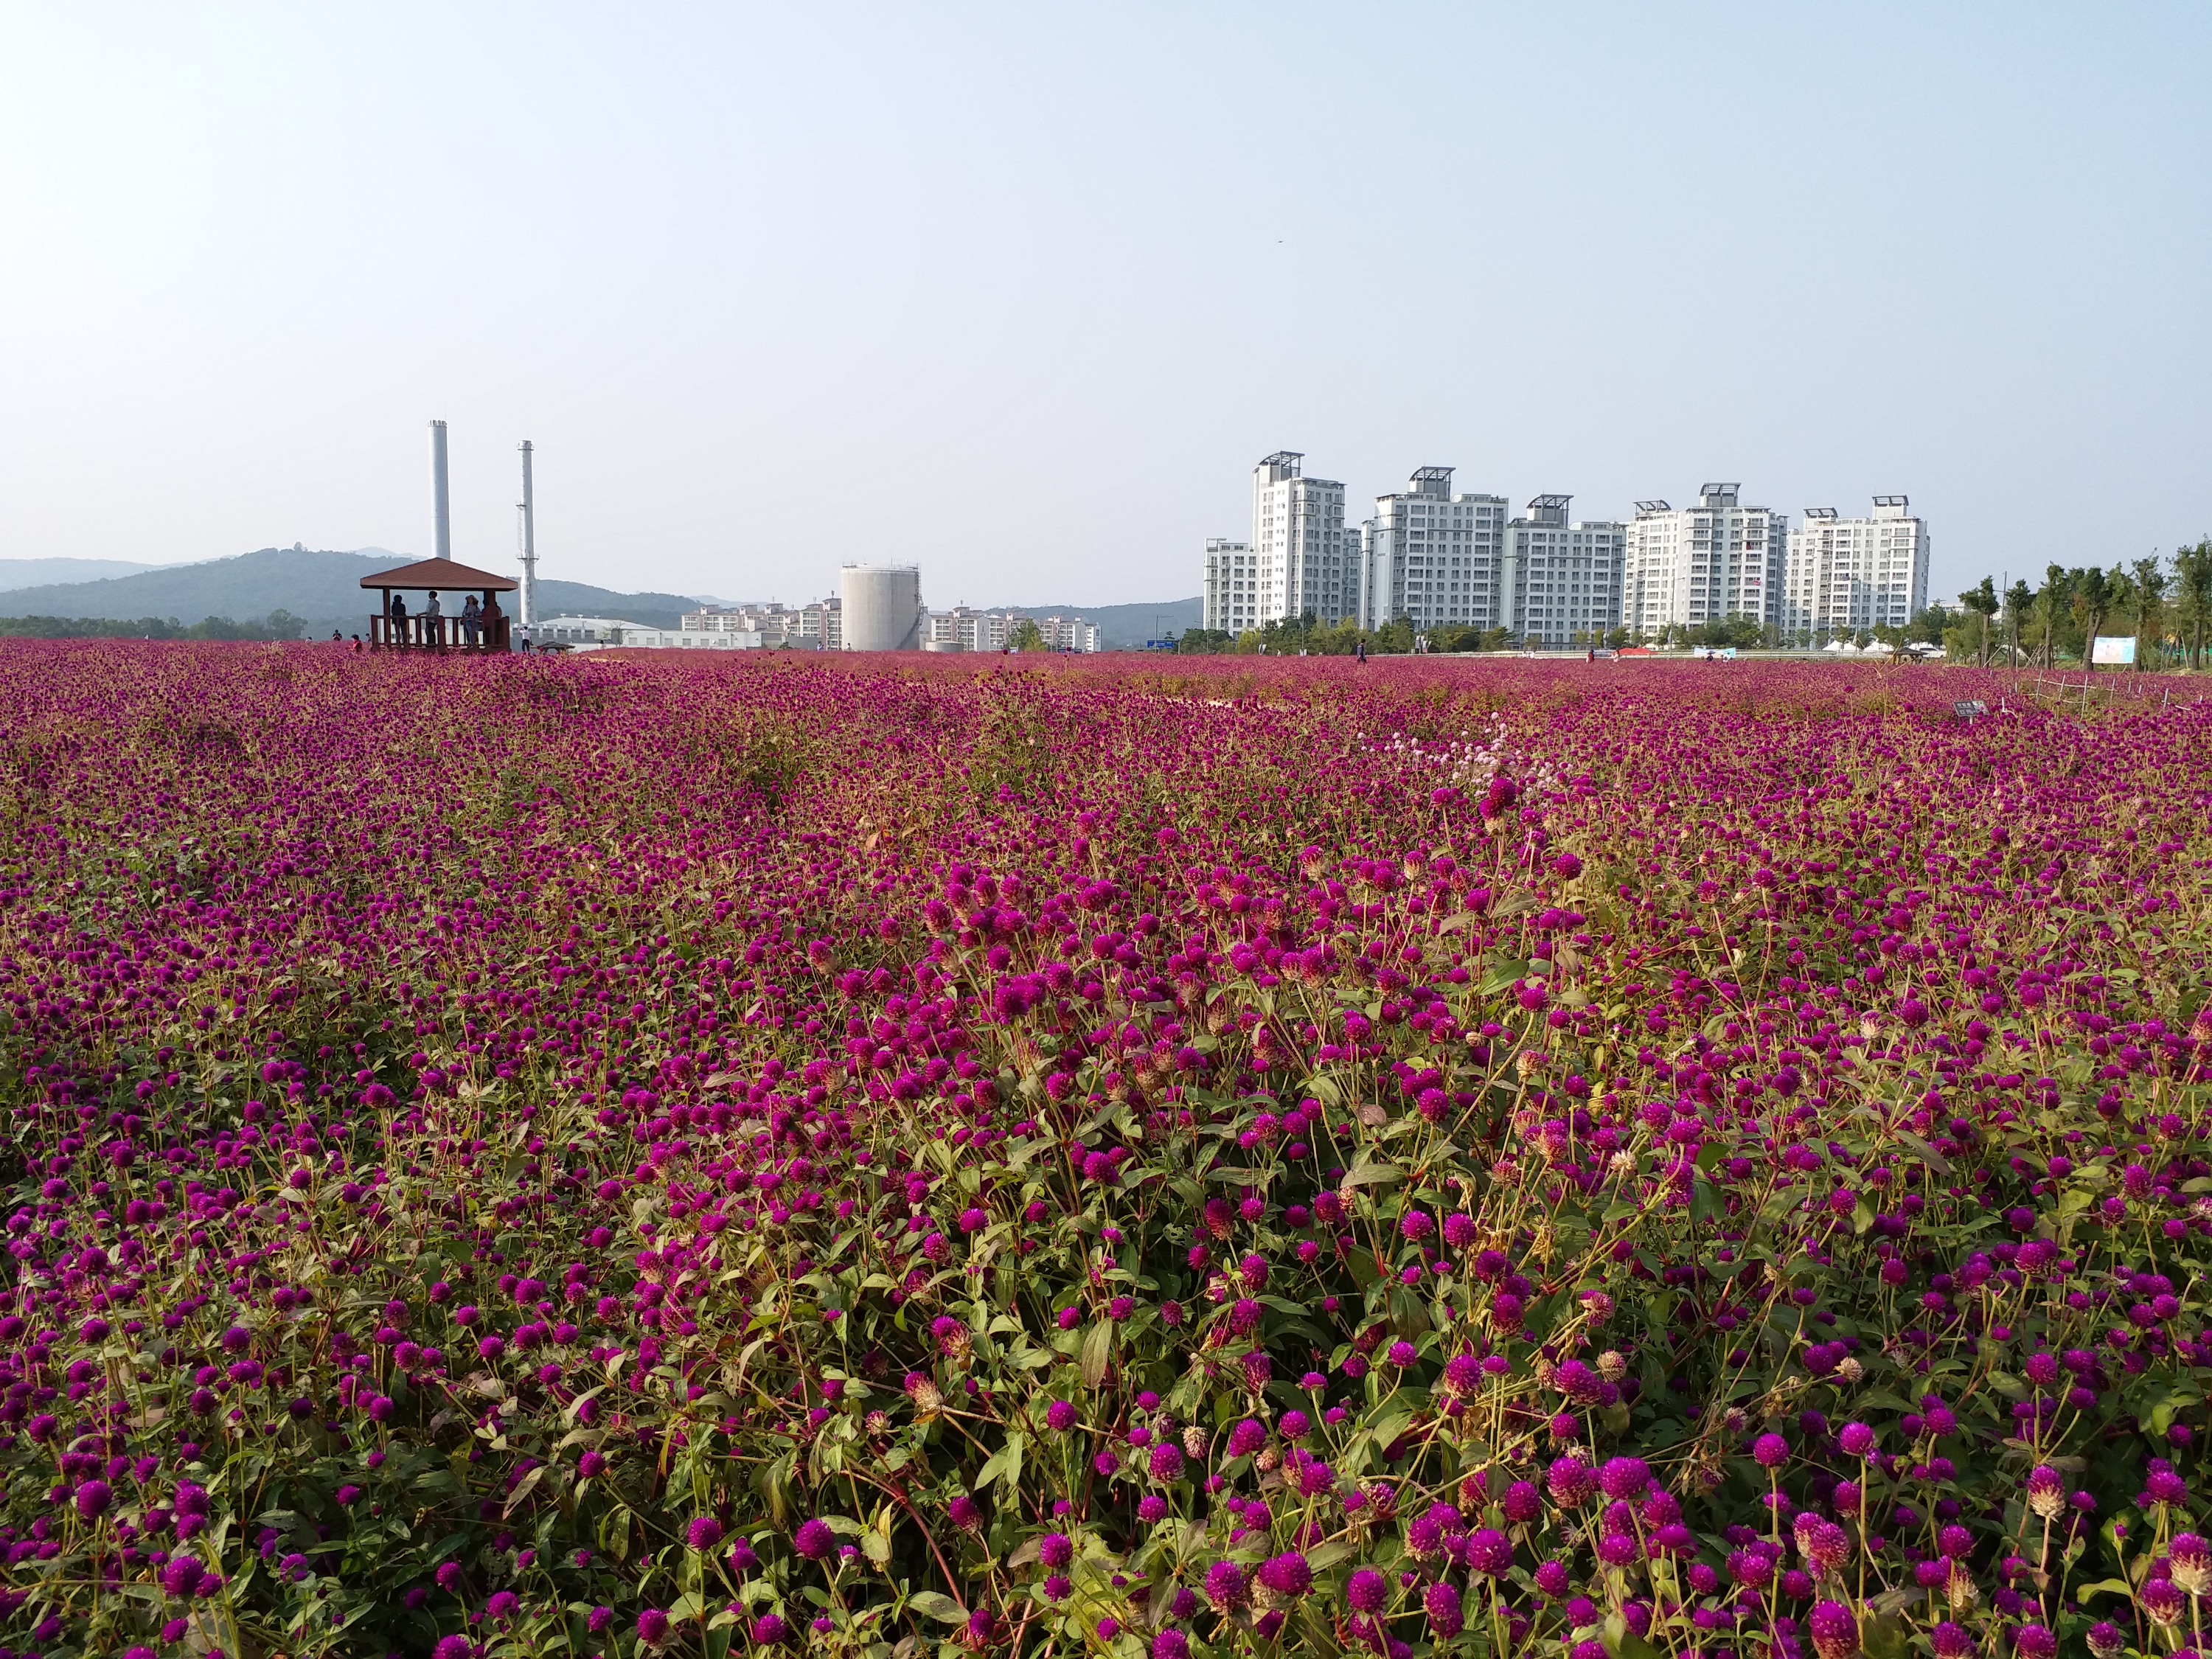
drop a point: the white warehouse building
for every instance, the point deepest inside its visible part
(1843, 576)
(1688, 566)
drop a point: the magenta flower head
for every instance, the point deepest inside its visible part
(1167, 1462)
(1952, 1641)
(1226, 1589)
(1056, 1550)
(2034, 1642)
(1572, 1482)
(1489, 1553)
(1770, 1451)
(704, 1532)
(1108, 1628)
(1286, 1575)
(768, 1631)
(1835, 1630)
(1170, 1644)
(964, 1513)
(1367, 1592)
(93, 1498)
(1625, 1477)
(1856, 1439)
(815, 1540)
(2188, 1560)
(653, 1627)
(452, 1647)
(1442, 1603)
(2107, 1641)
(1060, 1417)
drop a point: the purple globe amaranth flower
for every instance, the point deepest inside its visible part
(2189, 1559)
(653, 1627)
(2034, 1642)
(815, 1540)
(1442, 1604)
(1060, 1416)
(1225, 1590)
(1490, 1552)
(1166, 1462)
(1170, 1644)
(1625, 1477)
(1571, 1481)
(1834, 1629)
(1770, 1451)
(1286, 1575)
(769, 1630)
(1056, 1550)
(1367, 1591)
(1952, 1641)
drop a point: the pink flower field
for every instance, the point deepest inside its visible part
(892, 1156)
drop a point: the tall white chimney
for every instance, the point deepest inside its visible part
(527, 506)
(440, 510)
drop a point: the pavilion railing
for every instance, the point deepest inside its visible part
(418, 633)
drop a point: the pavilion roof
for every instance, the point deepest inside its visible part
(432, 574)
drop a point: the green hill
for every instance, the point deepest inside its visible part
(321, 586)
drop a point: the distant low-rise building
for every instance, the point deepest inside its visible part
(963, 628)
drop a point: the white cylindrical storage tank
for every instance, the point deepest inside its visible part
(881, 607)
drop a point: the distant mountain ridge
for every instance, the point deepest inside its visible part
(322, 586)
(44, 573)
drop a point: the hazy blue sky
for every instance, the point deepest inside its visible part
(1021, 292)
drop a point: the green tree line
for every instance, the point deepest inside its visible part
(278, 625)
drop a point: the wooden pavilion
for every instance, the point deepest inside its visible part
(397, 629)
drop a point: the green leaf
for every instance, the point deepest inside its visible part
(1097, 1352)
(2107, 1587)
(1366, 1174)
(932, 1604)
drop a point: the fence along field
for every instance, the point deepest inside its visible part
(895, 1156)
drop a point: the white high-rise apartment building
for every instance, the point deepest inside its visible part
(1433, 557)
(1561, 581)
(1844, 575)
(1300, 560)
(1232, 587)
(1688, 566)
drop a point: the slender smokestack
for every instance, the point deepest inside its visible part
(441, 510)
(527, 506)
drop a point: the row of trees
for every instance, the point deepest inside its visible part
(278, 625)
(2164, 611)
